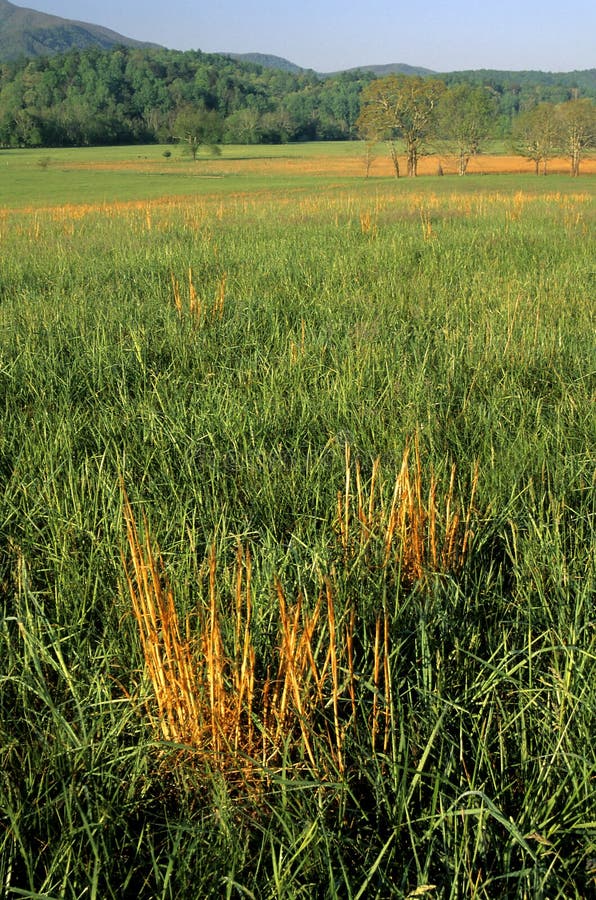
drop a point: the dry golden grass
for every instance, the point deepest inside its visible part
(168, 656)
(247, 716)
(205, 212)
(196, 307)
(414, 531)
(206, 696)
(351, 164)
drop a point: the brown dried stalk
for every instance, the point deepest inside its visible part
(193, 305)
(220, 296)
(421, 532)
(177, 296)
(168, 658)
(211, 701)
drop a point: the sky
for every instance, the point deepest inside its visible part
(328, 35)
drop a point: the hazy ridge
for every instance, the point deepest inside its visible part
(24, 32)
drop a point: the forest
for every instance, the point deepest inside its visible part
(128, 96)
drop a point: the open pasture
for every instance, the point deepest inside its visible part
(296, 530)
(34, 178)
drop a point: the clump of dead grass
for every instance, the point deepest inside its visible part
(421, 529)
(248, 716)
(192, 305)
(209, 697)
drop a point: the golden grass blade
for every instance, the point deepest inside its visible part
(211, 700)
(177, 297)
(387, 681)
(334, 675)
(420, 530)
(167, 657)
(376, 675)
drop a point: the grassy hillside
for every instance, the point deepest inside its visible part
(25, 32)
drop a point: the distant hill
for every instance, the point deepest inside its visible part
(25, 32)
(582, 80)
(388, 69)
(268, 61)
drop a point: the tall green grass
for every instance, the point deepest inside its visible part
(358, 317)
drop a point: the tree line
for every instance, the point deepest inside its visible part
(125, 95)
(417, 111)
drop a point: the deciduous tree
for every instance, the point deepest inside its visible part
(577, 124)
(464, 119)
(401, 106)
(536, 135)
(197, 128)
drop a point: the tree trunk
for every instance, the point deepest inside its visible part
(394, 159)
(369, 151)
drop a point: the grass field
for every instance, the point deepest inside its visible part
(37, 178)
(297, 569)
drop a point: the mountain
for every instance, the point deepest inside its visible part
(582, 79)
(389, 69)
(25, 32)
(268, 61)
(585, 79)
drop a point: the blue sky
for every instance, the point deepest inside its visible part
(336, 34)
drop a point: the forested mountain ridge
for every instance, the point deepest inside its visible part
(268, 61)
(380, 70)
(135, 95)
(26, 32)
(582, 81)
(108, 89)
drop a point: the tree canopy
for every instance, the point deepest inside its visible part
(401, 106)
(135, 95)
(464, 120)
(130, 96)
(535, 135)
(577, 129)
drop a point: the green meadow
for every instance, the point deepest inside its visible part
(297, 570)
